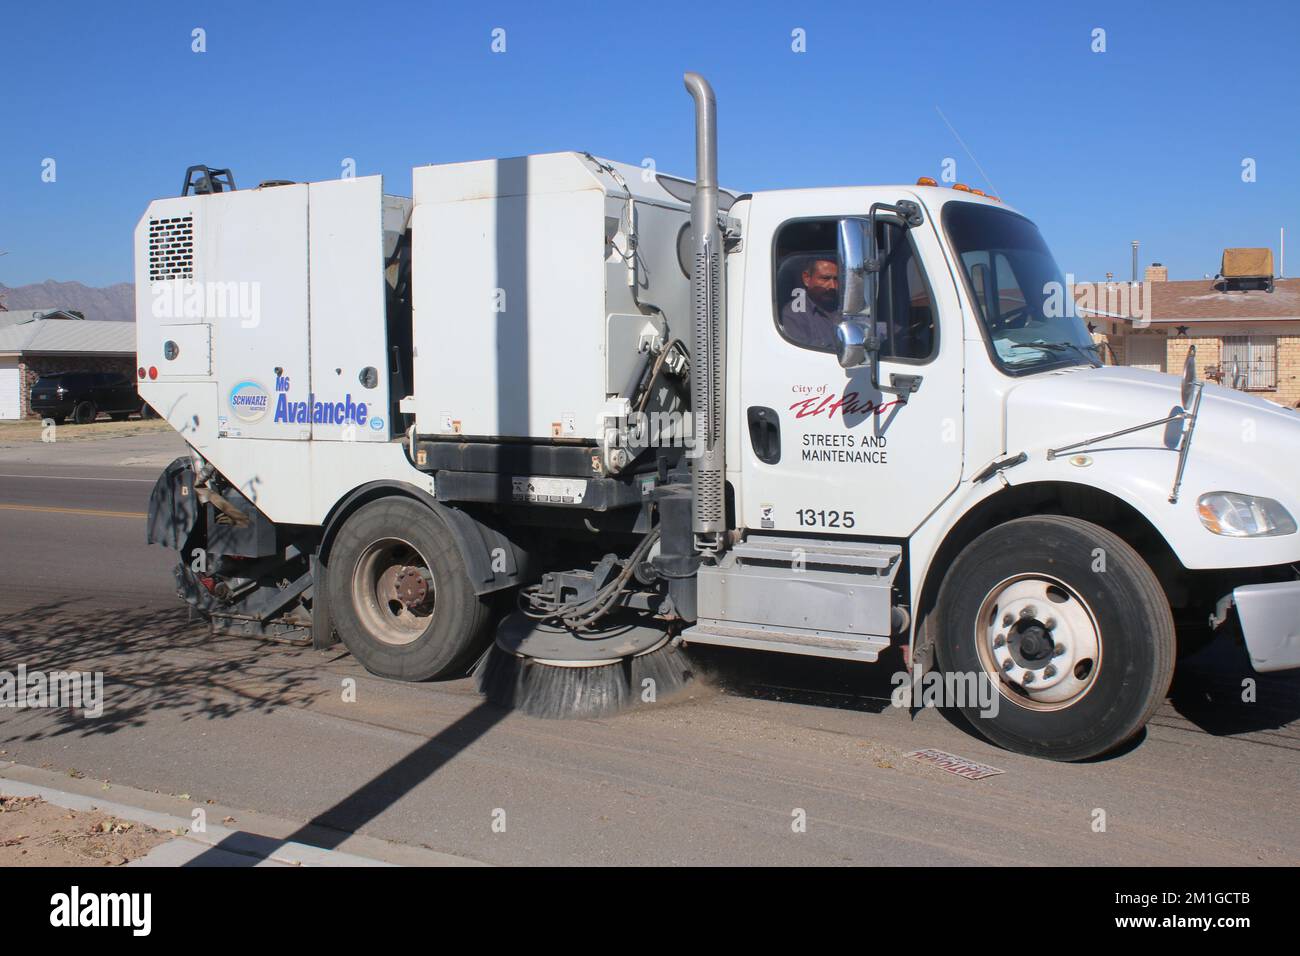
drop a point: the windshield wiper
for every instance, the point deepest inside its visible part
(1094, 360)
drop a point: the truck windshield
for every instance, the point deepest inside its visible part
(1018, 289)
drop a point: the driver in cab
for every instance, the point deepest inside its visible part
(813, 312)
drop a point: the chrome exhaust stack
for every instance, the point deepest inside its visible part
(707, 474)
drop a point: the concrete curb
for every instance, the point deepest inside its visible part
(217, 845)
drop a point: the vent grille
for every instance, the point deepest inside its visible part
(171, 248)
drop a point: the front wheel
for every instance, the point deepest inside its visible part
(1068, 624)
(400, 594)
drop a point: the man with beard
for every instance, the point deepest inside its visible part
(813, 312)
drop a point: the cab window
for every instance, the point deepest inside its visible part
(807, 283)
(905, 304)
(808, 296)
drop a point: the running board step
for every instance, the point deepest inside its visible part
(863, 557)
(787, 640)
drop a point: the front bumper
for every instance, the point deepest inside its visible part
(1270, 623)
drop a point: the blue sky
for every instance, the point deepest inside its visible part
(1144, 141)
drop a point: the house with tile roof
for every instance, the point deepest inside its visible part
(1246, 328)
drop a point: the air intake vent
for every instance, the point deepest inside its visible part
(171, 248)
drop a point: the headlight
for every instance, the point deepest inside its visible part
(1243, 516)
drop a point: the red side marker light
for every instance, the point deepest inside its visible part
(153, 371)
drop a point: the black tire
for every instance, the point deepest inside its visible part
(84, 413)
(389, 638)
(147, 412)
(1112, 692)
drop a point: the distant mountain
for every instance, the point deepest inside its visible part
(114, 303)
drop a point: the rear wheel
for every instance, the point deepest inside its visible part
(1071, 628)
(400, 595)
(84, 413)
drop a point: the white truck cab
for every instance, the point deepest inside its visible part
(663, 414)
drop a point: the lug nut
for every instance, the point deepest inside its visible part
(1058, 650)
(1029, 612)
(1049, 670)
(1029, 677)
(1050, 623)
(1008, 620)
(1008, 665)
(999, 640)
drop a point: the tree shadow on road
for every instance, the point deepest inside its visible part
(153, 662)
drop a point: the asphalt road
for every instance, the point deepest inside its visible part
(716, 776)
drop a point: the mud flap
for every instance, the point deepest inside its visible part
(173, 507)
(323, 634)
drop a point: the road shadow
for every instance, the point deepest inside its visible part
(816, 682)
(330, 828)
(153, 662)
(1209, 689)
(1217, 690)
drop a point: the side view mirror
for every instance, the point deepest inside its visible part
(857, 282)
(857, 345)
(1189, 378)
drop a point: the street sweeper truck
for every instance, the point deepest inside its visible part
(558, 420)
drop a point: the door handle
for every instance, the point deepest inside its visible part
(765, 434)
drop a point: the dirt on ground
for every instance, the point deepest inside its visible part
(33, 429)
(36, 833)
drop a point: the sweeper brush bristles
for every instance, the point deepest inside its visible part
(497, 676)
(666, 666)
(555, 691)
(545, 690)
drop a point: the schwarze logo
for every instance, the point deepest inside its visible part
(249, 401)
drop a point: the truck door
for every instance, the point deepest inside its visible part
(821, 450)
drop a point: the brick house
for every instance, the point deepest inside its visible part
(1247, 324)
(39, 343)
